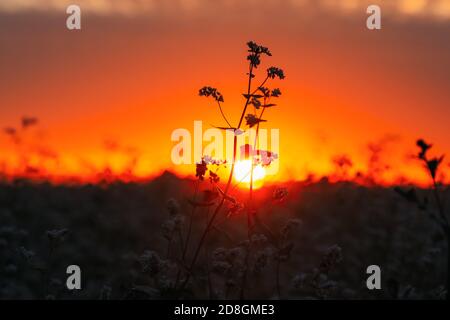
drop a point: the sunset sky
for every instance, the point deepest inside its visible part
(112, 93)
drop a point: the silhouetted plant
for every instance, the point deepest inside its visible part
(259, 98)
(51, 286)
(432, 166)
(318, 280)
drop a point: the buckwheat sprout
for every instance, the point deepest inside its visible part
(254, 57)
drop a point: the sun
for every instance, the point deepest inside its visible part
(242, 172)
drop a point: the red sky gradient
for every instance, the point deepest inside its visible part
(133, 78)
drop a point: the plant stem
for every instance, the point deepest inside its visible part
(169, 244)
(446, 229)
(250, 210)
(249, 86)
(439, 203)
(220, 205)
(223, 115)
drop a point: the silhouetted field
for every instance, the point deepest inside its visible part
(119, 235)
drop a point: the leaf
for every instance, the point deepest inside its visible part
(269, 105)
(248, 96)
(252, 120)
(256, 103)
(226, 128)
(236, 131)
(433, 165)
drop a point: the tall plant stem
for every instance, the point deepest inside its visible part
(248, 98)
(250, 209)
(223, 114)
(254, 148)
(222, 201)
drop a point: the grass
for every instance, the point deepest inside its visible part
(115, 236)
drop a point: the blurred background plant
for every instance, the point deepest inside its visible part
(436, 213)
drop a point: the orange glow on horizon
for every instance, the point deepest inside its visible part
(109, 97)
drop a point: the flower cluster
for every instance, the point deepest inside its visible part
(210, 91)
(276, 93)
(265, 158)
(202, 167)
(255, 53)
(253, 120)
(273, 72)
(257, 49)
(209, 160)
(267, 93)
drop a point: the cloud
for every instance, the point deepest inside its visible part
(436, 9)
